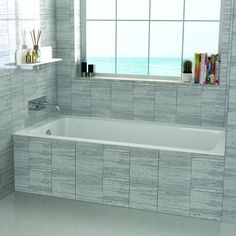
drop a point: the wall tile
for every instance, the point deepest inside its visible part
(206, 205)
(122, 100)
(229, 210)
(40, 152)
(21, 163)
(100, 98)
(116, 175)
(213, 106)
(7, 173)
(174, 182)
(116, 193)
(81, 98)
(144, 99)
(40, 182)
(116, 163)
(189, 105)
(165, 103)
(231, 140)
(207, 173)
(89, 172)
(143, 179)
(229, 198)
(63, 169)
(40, 170)
(207, 186)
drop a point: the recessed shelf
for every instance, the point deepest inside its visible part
(32, 65)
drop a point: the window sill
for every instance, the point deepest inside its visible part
(160, 80)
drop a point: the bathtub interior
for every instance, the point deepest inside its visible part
(148, 134)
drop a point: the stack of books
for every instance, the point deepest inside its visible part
(206, 68)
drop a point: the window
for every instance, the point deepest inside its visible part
(148, 37)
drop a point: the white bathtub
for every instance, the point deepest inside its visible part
(140, 134)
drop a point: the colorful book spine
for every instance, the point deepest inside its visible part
(213, 69)
(217, 75)
(197, 67)
(203, 68)
(208, 77)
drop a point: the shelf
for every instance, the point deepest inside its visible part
(32, 65)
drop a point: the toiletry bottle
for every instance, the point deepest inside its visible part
(23, 56)
(84, 69)
(91, 70)
(28, 58)
(34, 56)
(38, 55)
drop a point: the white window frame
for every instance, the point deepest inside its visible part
(83, 21)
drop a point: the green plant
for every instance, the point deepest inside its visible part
(187, 66)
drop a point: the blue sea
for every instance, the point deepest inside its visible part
(158, 66)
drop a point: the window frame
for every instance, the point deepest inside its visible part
(83, 33)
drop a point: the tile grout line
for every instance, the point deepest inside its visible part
(75, 144)
(191, 177)
(51, 143)
(158, 178)
(129, 175)
(102, 199)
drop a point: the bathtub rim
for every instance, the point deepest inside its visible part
(218, 151)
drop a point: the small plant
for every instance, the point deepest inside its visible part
(187, 66)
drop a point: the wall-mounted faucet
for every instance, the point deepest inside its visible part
(40, 103)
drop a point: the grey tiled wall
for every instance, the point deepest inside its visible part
(160, 181)
(182, 104)
(229, 203)
(18, 86)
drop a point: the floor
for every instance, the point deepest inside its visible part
(33, 215)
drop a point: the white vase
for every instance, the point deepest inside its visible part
(187, 77)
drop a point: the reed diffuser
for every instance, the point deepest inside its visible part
(35, 36)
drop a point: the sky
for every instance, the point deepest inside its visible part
(165, 36)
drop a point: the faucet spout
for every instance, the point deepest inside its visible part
(55, 106)
(58, 109)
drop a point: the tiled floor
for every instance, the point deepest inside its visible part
(32, 215)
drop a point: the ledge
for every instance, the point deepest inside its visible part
(32, 65)
(158, 80)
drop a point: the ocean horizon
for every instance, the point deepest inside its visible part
(158, 66)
